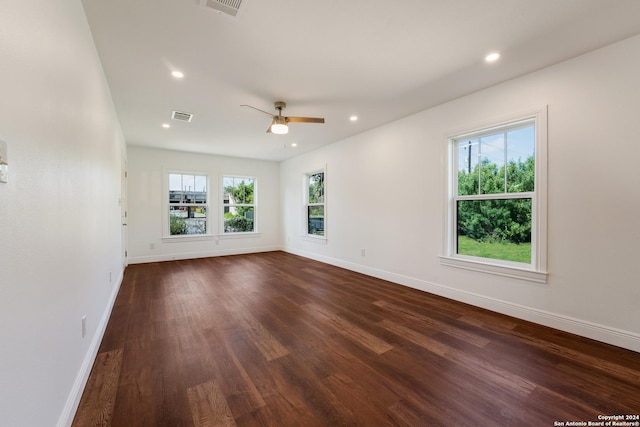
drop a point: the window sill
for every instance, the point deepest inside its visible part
(243, 235)
(315, 239)
(499, 270)
(187, 238)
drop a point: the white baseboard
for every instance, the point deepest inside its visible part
(70, 408)
(606, 334)
(206, 254)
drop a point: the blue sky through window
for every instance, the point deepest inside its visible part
(520, 145)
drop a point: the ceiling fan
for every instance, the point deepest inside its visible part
(280, 123)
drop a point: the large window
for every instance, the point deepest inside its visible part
(315, 203)
(239, 204)
(188, 204)
(496, 204)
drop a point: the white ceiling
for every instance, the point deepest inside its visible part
(380, 60)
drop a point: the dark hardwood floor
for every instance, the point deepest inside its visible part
(273, 339)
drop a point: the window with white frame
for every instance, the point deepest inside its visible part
(239, 204)
(315, 203)
(497, 208)
(188, 204)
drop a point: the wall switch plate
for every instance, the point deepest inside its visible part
(84, 326)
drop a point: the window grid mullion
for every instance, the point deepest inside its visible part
(506, 156)
(479, 165)
(498, 196)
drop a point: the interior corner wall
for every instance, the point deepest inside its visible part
(60, 234)
(146, 234)
(386, 194)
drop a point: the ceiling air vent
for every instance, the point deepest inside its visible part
(183, 117)
(228, 7)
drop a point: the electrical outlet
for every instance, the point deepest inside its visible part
(152, 246)
(362, 252)
(84, 326)
(110, 277)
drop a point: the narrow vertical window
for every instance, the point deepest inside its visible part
(315, 203)
(239, 204)
(188, 204)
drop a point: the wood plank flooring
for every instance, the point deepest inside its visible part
(273, 339)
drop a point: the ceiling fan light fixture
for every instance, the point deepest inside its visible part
(279, 125)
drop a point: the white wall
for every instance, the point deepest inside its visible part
(146, 209)
(60, 244)
(386, 194)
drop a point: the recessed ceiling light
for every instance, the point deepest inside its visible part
(177, 74)
(353, 118)
(492, 57)
(166, 125)
(294, 145)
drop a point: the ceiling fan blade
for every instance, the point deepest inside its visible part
(305, 120)
(269, 129)
(262, 111)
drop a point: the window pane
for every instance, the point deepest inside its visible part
(188, 183)
(315, 225)
(227, 184)
(521, 160)
(316, 188)
(497, 229)
(238, 191)
(175, 182)
(187, 220)
(492, 148)
(468, 167)
(200, 183)
(239, 219)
